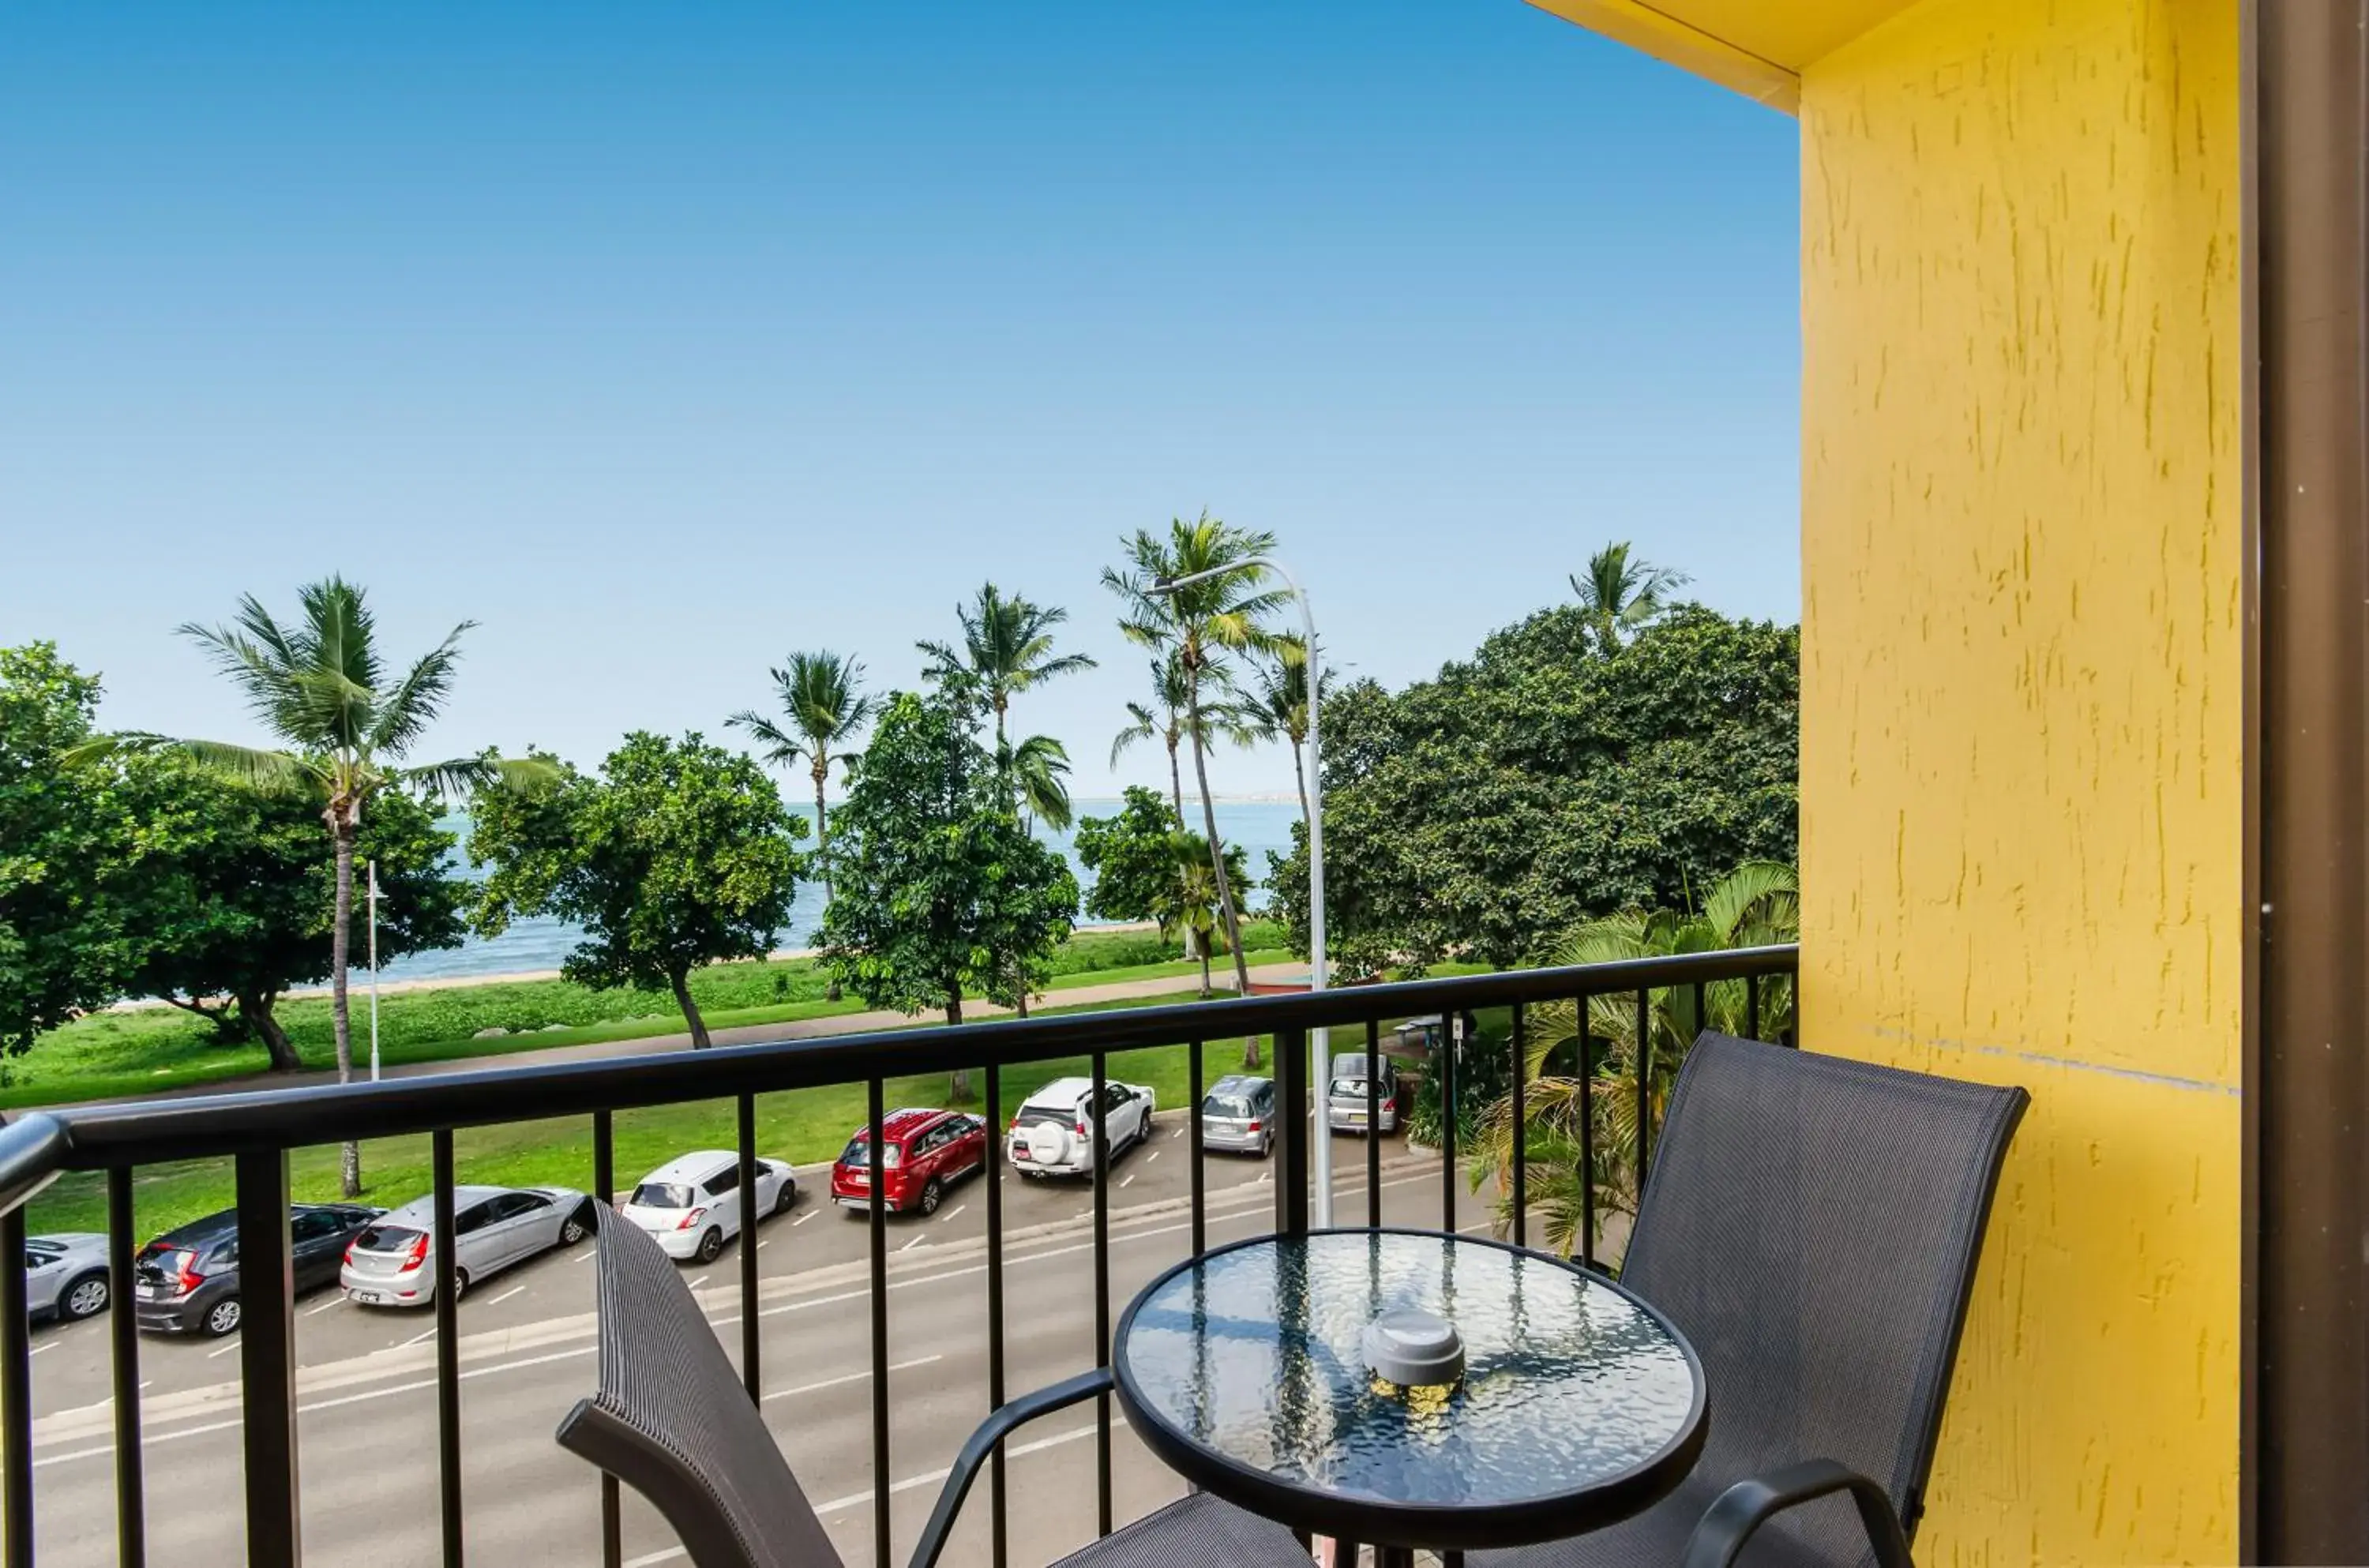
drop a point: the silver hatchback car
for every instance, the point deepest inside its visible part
(392, 1262)
(1238, 1115)
(1347, 1101)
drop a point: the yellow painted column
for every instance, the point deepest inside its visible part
(2021, 736)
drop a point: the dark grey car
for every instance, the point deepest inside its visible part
(185, 1281)
(1238, 1115)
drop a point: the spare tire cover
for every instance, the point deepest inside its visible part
(1049, 1145)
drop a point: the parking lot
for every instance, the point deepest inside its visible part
(367, 1432)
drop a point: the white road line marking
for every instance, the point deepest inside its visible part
(699, 1281)
(415, 1339)
(225, 1350)
(950, 1213)
(505, 1296)
(916, 1242)
(1126, 1179)
(52, 1344)
(332, 1301)
(761, 1245)
(1153, 1155)
(913, 1482)
(852, 1377)
(582, 1256)
(147, 1382)
(802, 1218)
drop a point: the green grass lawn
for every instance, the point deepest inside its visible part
(109, 1055)
(800, 1126)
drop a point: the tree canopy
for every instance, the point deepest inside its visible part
(1550, 779)
(941, 887)
(676, 855)
(1133, 861)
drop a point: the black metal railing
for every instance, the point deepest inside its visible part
(258, 1130)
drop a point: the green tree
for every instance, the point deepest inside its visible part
(1278, 708)
(945, 889)
(1006, 648)
(1039, 770)
(1189, 902)
(238, 904)
(1167, 717)
(677, 855)
(1197, 594)
(344, 721)
(823, 706)
(1756, 905)
(1621, 594)
(1545, 782)
(1130, 855)
(68, 850)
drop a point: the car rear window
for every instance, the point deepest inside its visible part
(661, 1195)
(386, 1239)
(1045, 1115)
(1226, 1105)
(859, 1152)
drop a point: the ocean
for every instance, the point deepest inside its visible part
(541, 942)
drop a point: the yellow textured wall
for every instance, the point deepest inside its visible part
(2022, 742)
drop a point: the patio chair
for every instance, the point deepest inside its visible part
(1811, 1224)
(672, 1421)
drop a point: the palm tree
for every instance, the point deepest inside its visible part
(322, 690)
(1040, 768)
(1280, 705)
(1193, 907)
(1007, 648)
(1168, 716)
(1756, 905)
(1620, 594)
(822, 700)
(1204, 625)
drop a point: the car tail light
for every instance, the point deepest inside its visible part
(1254, 1126)
(1081, 1126)
(691, 1218)
(416, 1255)
(185, 1269)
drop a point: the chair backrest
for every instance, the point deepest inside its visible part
(1811, 1224)
(672, 1421)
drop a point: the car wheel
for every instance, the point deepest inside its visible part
(85, 1297)
(783, 1199)
(1267, 1150)
(579, 1226)
(459, 1285)
(931, 1196)
(710, 1243)
(223, 1317)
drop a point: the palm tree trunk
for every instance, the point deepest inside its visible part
(1217, 865)
(1201, 950)
(1299, 776)
(680, 983)
(822, 848)
(341, 827)
(1175, 781)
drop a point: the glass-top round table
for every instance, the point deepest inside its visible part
(1246, 1370)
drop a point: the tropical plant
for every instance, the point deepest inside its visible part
(945, 891)
(823, 706)
(1169, 716)
(1197, 594)
(236, 900)
(1007, 648)
(1620, 594)
(345, 720)
(1756, 905)
(677, 855)
(1188, 901)
(68, 851)
(1039, 770)
(1279, 706)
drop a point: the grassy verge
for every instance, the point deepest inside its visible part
(113, 1054)
(800, 1126)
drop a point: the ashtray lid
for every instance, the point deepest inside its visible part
(1415, 1349)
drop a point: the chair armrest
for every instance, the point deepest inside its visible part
(991, 1431)
(1746, 1506)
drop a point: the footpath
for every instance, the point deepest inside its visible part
(872, 1022)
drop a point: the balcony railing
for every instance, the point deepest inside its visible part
(258, 1130)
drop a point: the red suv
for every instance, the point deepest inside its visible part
(927, 1152)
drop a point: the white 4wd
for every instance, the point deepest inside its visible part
(1054, 1132)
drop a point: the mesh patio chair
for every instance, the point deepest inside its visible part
(672, 1421)
(1811, 1225)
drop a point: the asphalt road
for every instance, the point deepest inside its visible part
(367, 1427)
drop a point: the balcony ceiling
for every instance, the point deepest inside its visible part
(1756, 47)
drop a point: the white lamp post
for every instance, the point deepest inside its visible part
(373, 967)
(1319, 1061)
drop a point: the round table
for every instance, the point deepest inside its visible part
(1243, 1370)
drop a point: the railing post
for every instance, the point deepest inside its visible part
(1448, 1121)
(1298, 1113)
(124, 1332)
(604, 1193)
(1520, 1134)
(16, 1391)
(266, 1361)
(998, 1487)
(751, 1376)
(445, 1245)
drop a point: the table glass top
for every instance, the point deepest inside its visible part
(1256, 1352)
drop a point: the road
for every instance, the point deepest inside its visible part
(367, 1428)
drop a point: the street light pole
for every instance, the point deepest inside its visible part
(1319, 1041)
(373, 967)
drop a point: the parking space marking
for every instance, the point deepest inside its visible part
(950, 1213)
(761, 1245)
(1128, 1179)
(45, 1344)
(316, 1312)
(851, 1378)
(415, 1339)
(582, 1256)
(911, 1244)
(225, 1350)
(933, 1478)
(505, 1296)
(699, 1281)
(802, 1218)
(1153, 1155)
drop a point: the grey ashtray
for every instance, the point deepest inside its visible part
(1415, 1349)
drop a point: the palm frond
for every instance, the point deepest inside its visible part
(401, 716)
(782, 749)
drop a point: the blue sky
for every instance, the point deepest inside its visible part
(663, 342)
